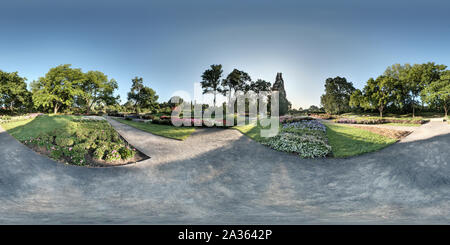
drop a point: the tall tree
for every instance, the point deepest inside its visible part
(337, 95)
(378, 93)
(58, 88)
(438, 92)
(356, 99)
(235, 81)
(260, 86)
(402, 85)
(141, 96)
(97, 89)
(211, 81)
(13, 91)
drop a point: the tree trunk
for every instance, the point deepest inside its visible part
(381, 111)
(446, 112)
(413, 110)
(55, 109)
(215, 99)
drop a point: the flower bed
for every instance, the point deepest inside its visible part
(5, 119)
(305, 137)
(291, 119)
(89, 142)
(379, 120)
(322, 116)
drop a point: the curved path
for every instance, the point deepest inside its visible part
(220, 176)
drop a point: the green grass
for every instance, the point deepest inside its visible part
(404, 124)
(42, 124)
(345, 141)
(251, 130)
(179, 133)
(349, 141)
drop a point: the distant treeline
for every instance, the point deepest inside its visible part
(400, 89)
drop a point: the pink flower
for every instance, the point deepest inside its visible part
(70, 148)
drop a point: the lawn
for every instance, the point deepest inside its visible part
(42, 124)
(345, 141)
(179, 133)
(74, 140)
(252, 131)
(348, 141)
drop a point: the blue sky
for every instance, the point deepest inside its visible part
(170, 43)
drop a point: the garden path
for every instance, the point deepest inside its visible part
(221, 177)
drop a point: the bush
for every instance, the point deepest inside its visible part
(99, 153)
(63, 141)
(113, 154)
(307, 146)
(127, 152)
(56, 152)
(162, 121)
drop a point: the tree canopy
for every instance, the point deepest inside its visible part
(58, 88)
(211, 81)
(13, 91)
(142, 97)
(337, 95)
(97, 89)
(438, 92)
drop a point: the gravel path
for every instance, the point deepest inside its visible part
(221, 176)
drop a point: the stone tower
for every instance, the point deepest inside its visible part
(285, 105)
(279, 83)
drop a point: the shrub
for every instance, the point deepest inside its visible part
(63, 141)
(307, 146)
(99, 153)
(56, 152)
(162, 121)
(112, 155)
(127, 152)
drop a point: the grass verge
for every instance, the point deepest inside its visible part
(179, 133)
(349, 141)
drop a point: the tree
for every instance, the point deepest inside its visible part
(171, 102)
(378, 93)
(13, 91)
(211, 81)
(356, 99)
(260, 86)
(58, 88)
(313, 108)
(337, 95)
(438, 92)
(236, 81)
(141, 96)
(97, 89)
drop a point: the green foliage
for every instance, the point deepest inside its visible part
(70, 139)
(127, 153)
(438, 92)
(211, 81)
(58, 88)
(337, 95)
(235, 81)
(63, 141)
(97, 89)
(112, 153)
(168, 131)
(349, 141)
(99, 153)
(13, 91)
(142, 97)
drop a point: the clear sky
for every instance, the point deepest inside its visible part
(170, 43)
